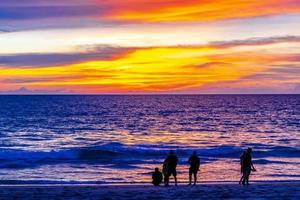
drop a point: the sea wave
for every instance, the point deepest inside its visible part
(115, 153)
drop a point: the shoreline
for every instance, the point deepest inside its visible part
(182, 183)
(256, 190)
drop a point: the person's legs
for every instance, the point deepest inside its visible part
(190, 178)
(175, 175)
(155, 183)
(167, 177)
(167, 180)
(246, 180)
(247, 177)
(195, 178)
(244, 177)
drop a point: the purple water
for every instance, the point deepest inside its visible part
(104, 139)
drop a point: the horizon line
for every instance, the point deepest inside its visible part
(138, 94)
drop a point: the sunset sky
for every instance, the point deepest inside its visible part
(149, 46)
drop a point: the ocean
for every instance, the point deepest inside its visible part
(122, 138)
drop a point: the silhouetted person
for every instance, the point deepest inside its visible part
(157, 177)
(165, 171)
(246, 166)
(171, 164)
(194, 162)
(242, 167)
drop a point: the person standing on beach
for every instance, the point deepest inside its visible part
(170, 165)
(194, 162)
(246, 166)
(157, 177)
(165, 171)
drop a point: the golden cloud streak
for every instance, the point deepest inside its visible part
(196, 10)
(144, 70)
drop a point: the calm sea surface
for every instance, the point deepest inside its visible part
(108, 139)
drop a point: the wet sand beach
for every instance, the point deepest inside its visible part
(259, 190)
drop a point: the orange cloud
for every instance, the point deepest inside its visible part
(195, 10)
(266, 61)
(157, 69)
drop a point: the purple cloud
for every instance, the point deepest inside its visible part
(297, 88)
(24, 90)
(54, 59)
(44, 2)
(45, 12)
(256, 41)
